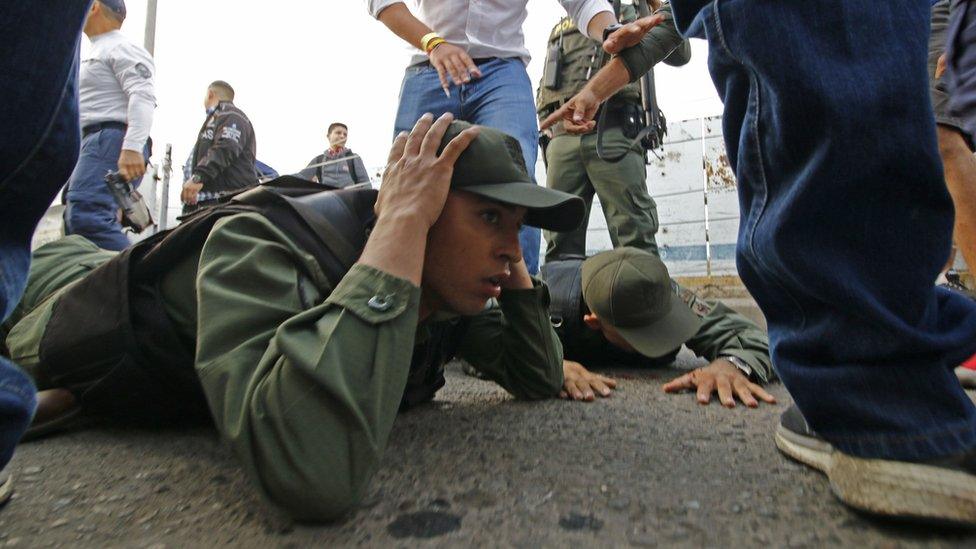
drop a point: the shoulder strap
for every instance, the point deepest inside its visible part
(351, 161)
(564, 278)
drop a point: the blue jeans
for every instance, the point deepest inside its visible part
(92, 212)
(845, 217)
(501, 99)
(38, 147)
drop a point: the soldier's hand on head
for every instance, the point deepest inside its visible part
(576, 114)
(582, 384)
(721, 376)
(450, 60)
(417, 179)
(631, 34)
(132, 165)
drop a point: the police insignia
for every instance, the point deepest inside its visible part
(143, 70)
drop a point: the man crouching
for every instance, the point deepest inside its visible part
(298, 335)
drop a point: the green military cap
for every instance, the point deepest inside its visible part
(493, 167)
(630, 289)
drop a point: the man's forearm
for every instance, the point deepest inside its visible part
(139, 119)
(398, 19)
(599, 22)
(397, 246)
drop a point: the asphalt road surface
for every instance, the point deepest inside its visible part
(474, 468)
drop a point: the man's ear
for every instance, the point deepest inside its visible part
(592, 322)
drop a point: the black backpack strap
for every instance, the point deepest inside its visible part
(564, 278)
(351, 161)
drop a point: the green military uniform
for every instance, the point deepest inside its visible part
(719, 331)
(302, 375)
(303, 380)
(573, 165)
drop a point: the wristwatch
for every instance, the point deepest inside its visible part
(740, 364)
(610, 30)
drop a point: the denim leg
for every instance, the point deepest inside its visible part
(35, 160)
(420, 93)
(92, 211)
(846, 220)
(502, 99)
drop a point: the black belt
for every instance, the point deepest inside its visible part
(477, 61)
(92, 128)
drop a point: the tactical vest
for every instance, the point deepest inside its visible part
(581, 58)
(111, 343)
(566, 309)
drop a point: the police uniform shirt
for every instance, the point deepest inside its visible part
(116, 85)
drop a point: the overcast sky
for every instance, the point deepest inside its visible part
(299, 65)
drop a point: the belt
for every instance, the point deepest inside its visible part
(476, 60)
(92, 128)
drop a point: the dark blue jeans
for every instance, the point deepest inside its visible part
(501, 99)
(845, 217)
(38, 147)
(92, 211)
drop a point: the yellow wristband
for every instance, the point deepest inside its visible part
(425, 40)
(433, 44)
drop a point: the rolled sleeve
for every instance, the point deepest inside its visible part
(377, 6)
(582, 11)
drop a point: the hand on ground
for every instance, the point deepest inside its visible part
(582, 384)
(721, 376)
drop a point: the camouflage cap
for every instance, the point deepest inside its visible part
(630, 290)
(493, 167)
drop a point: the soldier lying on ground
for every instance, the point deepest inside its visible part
(275, 317)
(621, 308)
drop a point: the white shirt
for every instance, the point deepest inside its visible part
(487, 28)
(116, 85)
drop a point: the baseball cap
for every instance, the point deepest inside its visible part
(630, 289)
(493, 167)
(116, 6)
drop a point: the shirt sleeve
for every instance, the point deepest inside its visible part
(725, 332)
(513, 343)
(376, 6)
(582, 11)
(229, 135)
(134, 69)
(311, 170)
(304, 383)
(660, 43)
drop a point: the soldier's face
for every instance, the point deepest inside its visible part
(470, 251)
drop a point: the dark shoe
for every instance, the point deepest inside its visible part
(954, 282)
(57, 410)
(941, 490)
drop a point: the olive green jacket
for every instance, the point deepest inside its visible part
(305, 380)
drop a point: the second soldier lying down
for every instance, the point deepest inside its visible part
(621, 308)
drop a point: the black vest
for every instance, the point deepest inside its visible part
(110, 341)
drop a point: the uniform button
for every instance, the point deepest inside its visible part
(380, 304)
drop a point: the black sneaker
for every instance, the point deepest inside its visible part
(940, 490)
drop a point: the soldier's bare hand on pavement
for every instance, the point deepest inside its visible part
(450, 60)
(132, 165)
(417, 179)
(723, 377)
(631, 34)
(582, 384)
(576, 114)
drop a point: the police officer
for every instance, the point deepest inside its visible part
(620, 307)
(277, 319)
(224, 154)
(117, 99)
(573, 165)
